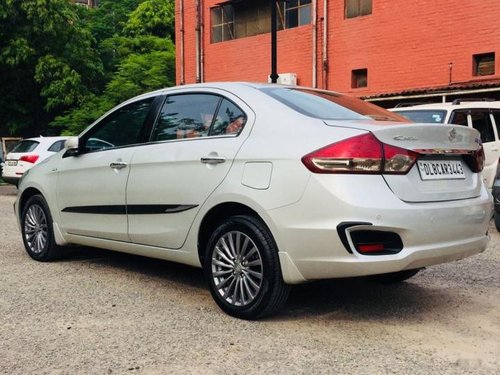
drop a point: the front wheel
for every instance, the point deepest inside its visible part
(36, 227)
(243, 270)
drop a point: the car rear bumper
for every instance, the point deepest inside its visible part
(432, 233)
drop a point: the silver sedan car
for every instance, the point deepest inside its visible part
(264, 186)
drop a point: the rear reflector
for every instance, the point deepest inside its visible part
(29, 158)
(374, 242)
(363, 154)
(371, 248)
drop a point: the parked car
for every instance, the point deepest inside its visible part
(496, 198)
(27, 153)
(268, 186)
(481, 115)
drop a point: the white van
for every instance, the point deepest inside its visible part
(481, 115)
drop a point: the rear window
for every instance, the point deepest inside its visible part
(424, 115)
(330, 105)
(25, 146)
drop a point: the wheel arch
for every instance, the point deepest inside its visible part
(27, 194)
(215, 216)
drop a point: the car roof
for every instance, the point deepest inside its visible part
(451, 106)
(229, 86)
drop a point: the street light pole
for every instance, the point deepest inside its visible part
(274, 54)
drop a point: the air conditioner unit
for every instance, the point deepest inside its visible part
(286, 79)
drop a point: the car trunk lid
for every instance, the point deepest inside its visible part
(444, 169)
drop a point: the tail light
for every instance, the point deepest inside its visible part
(29, 158)
(476, 160)
(361, 154)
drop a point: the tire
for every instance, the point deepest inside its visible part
(497, 221)
(242, 268)
(394, 277)
(37, 230)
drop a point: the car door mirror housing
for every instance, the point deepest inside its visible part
(72, 147)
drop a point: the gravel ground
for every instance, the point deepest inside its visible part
(99, 312)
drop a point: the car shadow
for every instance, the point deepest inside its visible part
(148, 267)
(353, 299)
(362, 299)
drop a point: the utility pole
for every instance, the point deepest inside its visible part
(274, 41)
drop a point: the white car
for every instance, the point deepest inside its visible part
(263, 186)
(28, 153)
(481, 115)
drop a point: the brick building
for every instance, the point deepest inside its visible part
(383, 50)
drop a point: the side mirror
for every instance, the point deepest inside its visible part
(72, 147)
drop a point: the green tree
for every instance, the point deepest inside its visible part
(138, 56)
(153, 17)
(48, 62)
(110, 17)
(137, 73)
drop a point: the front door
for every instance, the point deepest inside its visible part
(91, 186)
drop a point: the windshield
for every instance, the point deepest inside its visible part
(328, 105)
(424, 115)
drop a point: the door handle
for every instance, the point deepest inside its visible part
(213, 160)
(118, 165)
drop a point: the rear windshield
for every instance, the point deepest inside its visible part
(330, 105)
(424, 115)
(25, 146)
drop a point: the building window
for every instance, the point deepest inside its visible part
(484, 64)
(297, 13)
(241, 19)
(356, 8)
(359, 78)
(222, 18)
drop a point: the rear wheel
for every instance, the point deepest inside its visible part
(242, 268)
(36, 227)
(394, 277)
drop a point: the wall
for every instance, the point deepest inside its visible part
(403, 44)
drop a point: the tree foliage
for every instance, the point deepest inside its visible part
(67, 65)
(47, 62)
(153, 17)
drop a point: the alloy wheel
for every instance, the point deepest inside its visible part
(35, 229)
(237, 268)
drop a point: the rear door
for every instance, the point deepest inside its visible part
(194, 143)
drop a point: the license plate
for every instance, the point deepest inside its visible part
(11, 163)
(441, 170)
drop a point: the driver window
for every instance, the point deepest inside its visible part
(121, 128)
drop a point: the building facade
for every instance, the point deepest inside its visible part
(381, 50)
